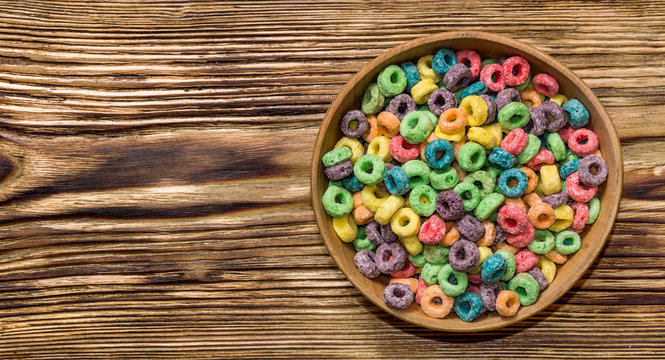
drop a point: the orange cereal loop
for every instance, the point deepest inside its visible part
(362, 215)
(452, 235)
(530, 98)
(435, 303)
(373, 130)
(556, 258)
(458, 145)
(505, 245)
(388, 124)
(357, 199)
(488, 238)
(541, 215)
(461, 174)
(507, 303)
(533, 179)
(424, 144)
(531, 199)
(516, 201)
(452, 121)
(411, 282)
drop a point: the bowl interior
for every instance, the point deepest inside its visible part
(487, 45)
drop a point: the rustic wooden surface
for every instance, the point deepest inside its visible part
(155, 199)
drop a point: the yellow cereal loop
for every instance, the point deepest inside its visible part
(424, 66)
(547, 267)
(346, 228)
(563, 216)
(405, 222)
(475, 109)
(372, 197)
(412, 245)
(482, 137)
(357, 149)
(420, 91)
(380, 146)
(388, 208)
(450, 137)
(485, 252)
(549, 175)
(495, 129)
(559, 99)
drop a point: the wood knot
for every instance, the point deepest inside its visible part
(8, 166)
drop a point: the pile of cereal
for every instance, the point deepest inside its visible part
(464, 180)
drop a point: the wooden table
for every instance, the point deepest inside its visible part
(155, 199)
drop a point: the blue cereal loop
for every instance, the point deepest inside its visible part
(412, 74)
(576, 114)
(518, 190)
(501, 158)
(476, 88)
(439, 145)
(396, 181)
(443, 60)
(569, 168)
(468, 306)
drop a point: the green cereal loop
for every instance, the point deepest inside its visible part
(391, 81)
(444, 179)
(531, 149)
(418, 260)
(416, 126)
(369, 169)
(594, 210)
(431, 116)
(526, 287)
(337, 183)
(423, 107)
(362, 242)
(436, 254)
(418, 172)
(511, 264)
(337, 201)
(423, 200)
(430, 273)
(494, 171)
(471, 156)
(514, 115)
(469, 193)
(524, 84)
(493, 218)
(542, 243)
(455, 288)
(556, 146)
(487, 62)
(482, 180)
(567, 242)
(488, 205)
(372, 100)
(570, 156)
(336, 156)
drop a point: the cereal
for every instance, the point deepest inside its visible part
(449, 205)
(548, 268)
(441, 100)
(430, 273)
(421, 91)
(515, 141)
(524, 238)
(401, 150)
(416, 126)
(408, 271)
(469, 193)
(369, 169)
(471, 156)
(489, 293)
(476, 88)
(471, 59)
(444, 179)
(464, 255)
(388, 208)
(398, 296)
(530, 98)
(401, 105)
(537, 123)
(339, 171)
(513, 191)
(576, 191)
(482, 180)
(475, 109)
(493, 268)
(418, 172)
(583, 142)
(435, 303)
(507, 96)
(391, 81)
(397, 181)
(563, 216)
(411, 73)
(452, 282)
(468, 306)
(442, 147)
(424, 66)
(514, 115)
(354, 124)
(361, 242)
(452, 121)
(491, 76)
(545, 84)
(539, 276)
(390, 257)
(432, 231)
(482, 136)
(364, 261)
(507, 303)
(423, 200)
(525, 260)
(526, 287)
(470, 228)
(352, 183)
(576, 114)
(388, 124)
(513, 219)
(412, 283)
(336, 156)
(530, 150)
(592, 170)
(511, 264)
(580, 215)
(337, 201)
(549, 175)
(488, 205)
(594, 210)
(345, 228)
(541, 215)
(515, 71)
(380, 146)
(567, 242)
(488, 236)
(542, 243)
(372, 100)
(405, 222)
(556, 145)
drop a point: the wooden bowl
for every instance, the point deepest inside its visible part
(485, 44)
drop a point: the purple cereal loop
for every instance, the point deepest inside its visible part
(373, 232)
(449, 205)
(339, 171)
(464, 255)
(489, 293)
(390, 257)
(350, 116)
(441, 100)
(470, 227)
(556, 200)
(538, 122)
(401, 105)
(588, 163)
(364, 261)
(388, 235)
(506, 96)
(500, 60)
(398, 296)
(491, 108)
(537, 274)
(556, 112)
(499, 236)
(457, 77)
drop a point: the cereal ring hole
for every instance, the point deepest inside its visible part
(521, 291)
(517, 69)
(510, 222)
(512, 183)
(437, 300)
(424, 200)
(398, 291)
(542, 88)
(353, 124)
(452, 279)
(394, 77)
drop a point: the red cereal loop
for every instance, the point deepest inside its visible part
(545, 84)
(583, 142)
(475, 278)
(401, 150)
(565, 133)
(523, 239)
(490, 75)
(512, 219)
(525, 260)
(581, 215)
(422, 285)
(579, 231)
(408, 271)
(432, 231)
(515, 71)
(543, 157)
(515, 141)
(472, 58)
(575, 190)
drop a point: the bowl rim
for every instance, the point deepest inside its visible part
(320, 215)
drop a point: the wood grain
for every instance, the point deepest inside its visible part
(155, 192)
